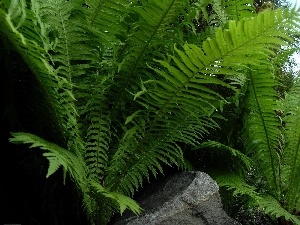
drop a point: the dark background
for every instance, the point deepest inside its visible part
(27, 196)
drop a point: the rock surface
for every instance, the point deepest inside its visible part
(187, 198)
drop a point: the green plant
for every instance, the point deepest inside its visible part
(271, 146)
(118, 114)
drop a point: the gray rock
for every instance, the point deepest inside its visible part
(187, 198)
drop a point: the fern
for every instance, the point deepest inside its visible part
(150, 30)
(237, 10)
(240, 188)
(291, 152)
(236, 184)
(108, 15)
(262, 123)
(245, 160)
(35, 55)
(106, 19)
(97, 144)
(262, 137)
(272, 207)
(124, 202)
(76, 167)
(57, 157)
(121, 114)
(183, 86)
(142, 152)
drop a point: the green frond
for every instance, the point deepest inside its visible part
(214, 18)
(238, 9)
(68, 45)
(235, 183)
(75, 48)
(123, 201)
(77, 168)
(150, 30)
(272, 207)
(261, 124)
(97, 144)
(143, 150)
(57, 157)
(33, 44)
(122, 115)
(106, 25)
(266, 203)
(245, 160)
(108, 15)
(291, 152)
(220, 17)
(187, 77)
(154, 22)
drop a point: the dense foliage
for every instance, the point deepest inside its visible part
(123, 86)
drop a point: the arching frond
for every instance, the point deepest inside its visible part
(194, 68)
(33, 44)
(95, 122)
(220, 18)
(266, 203)
(272, 207)
(107, 23)
(57, 157)
(75, 165)
(123, 201)
(244, 160)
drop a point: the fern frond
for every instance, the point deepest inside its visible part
(150, 30)
(261, 124)
(123, 201)
(237, 10)
(142, 151)
(108, 15)
(97, 144)
(266, 203)
(77, 168)
(220, 18)
(235, 183)
(108, 26)
(291, 152)
(32, 42)
(272, 207)
(57, 157)
(194, 68)
(245, 160)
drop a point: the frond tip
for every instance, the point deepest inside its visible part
(56, 155)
